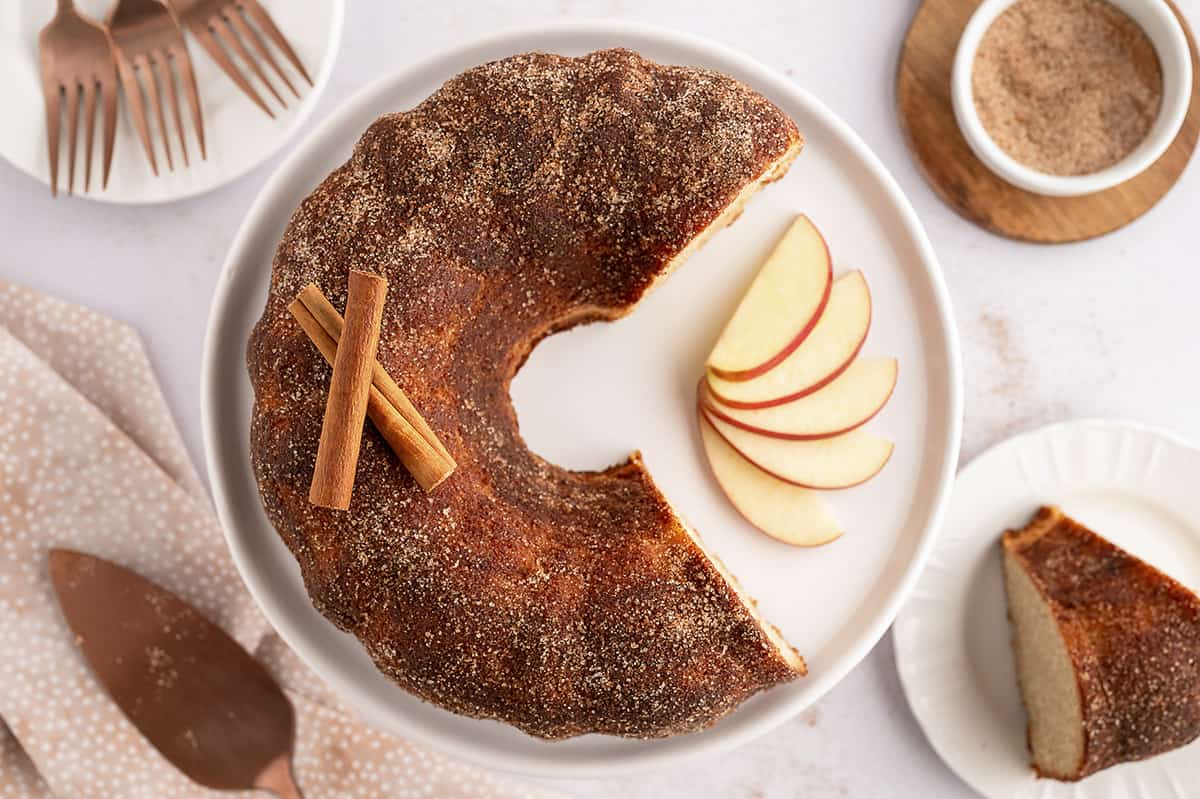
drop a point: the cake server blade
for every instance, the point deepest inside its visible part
(199, 698)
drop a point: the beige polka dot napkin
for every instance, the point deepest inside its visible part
(90, 459)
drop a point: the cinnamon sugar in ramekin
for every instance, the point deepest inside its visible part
(1067, 87)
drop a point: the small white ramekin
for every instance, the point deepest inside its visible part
(1167, 36)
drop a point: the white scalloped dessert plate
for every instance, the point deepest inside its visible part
(1131, 484)
(590, 396)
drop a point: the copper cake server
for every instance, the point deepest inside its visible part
(199, 698)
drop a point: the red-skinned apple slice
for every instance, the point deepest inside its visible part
(781, 307)
(826, 353)
(788, 513)
(838, 462)
(848, 402)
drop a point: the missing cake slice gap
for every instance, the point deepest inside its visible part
(1107, 649)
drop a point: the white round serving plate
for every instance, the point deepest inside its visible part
(590, 396)
(238, 135)
(1132, 484)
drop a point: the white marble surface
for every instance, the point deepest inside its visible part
(1108, 328)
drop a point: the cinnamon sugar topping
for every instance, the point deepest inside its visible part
(1068, 87)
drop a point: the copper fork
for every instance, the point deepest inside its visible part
(77, 63)
(147, 40)
(224, 22)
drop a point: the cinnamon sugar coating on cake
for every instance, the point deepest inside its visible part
(524, 197)
(1132, 632)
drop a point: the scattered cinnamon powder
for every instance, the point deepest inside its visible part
(1067, 87)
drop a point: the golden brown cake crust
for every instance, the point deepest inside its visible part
(1133, 634)
(526, 196)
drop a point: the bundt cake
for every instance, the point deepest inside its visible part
(525, 196)
(1107, 646)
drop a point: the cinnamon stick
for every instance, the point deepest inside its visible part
(426, 464)
(331, 321)
(349, 390)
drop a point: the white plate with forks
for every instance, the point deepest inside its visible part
(239, 136)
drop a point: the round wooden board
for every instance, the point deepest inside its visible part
(962, 180)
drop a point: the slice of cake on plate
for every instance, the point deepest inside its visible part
(1107, 649)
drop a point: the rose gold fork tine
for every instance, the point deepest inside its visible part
(163, 66)
(109, 89)
(89, 125)
(226, 35)
(264, 21)
(153, 92)
(183, 65)
(247, 33)
(53, 93)
(133, 94)
(209, 43)
(74, 53)
(72, 132)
